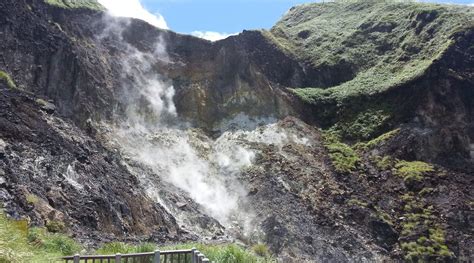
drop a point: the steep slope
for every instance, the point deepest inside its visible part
(373, 46)
(124, 131)
(382, 64)
(54, 173)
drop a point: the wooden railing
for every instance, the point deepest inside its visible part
(171, 256)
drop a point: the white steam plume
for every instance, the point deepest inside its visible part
(198, 165)
(206, 169)
(134, 9)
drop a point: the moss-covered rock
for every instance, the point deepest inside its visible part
(413, 171)
(88, 4)
(422, 239)
(343, 157)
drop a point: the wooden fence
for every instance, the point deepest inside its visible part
(171, 256)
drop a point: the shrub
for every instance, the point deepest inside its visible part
(55, 226)
(57, 243)
(343, 157)
(261, 250)
(377, 141)
(412, 171)
(422, 238)
(383, 163)
(427, 249)
(364, 125)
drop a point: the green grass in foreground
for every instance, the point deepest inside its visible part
(19, 243)
(222, 253)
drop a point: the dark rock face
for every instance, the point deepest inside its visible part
(43, 59)
(448, 104)
(53, 171)
(293, 183)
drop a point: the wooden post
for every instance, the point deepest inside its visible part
(77, 258)
(118, 258)
(193, 257)
(157, 257)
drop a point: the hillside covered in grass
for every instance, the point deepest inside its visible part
(367, 47)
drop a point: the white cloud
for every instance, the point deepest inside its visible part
(133, 8)
(210, 35)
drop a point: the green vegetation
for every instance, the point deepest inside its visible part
(32, 199)
(412, 171)
(426, 191)
(423, 239)
(88, 4)
(367, 47)
(41, 102)
(383, 216)
(261, 250)
(377, 141)
(53, 243)
(19, 243)
(124, 248)
(363, 125)
(383, 163)
(224, 253)
(5, 77)
(228, 253)
(55, 226)
(343, 157)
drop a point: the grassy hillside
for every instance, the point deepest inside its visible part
(20, 243)
(370, 45)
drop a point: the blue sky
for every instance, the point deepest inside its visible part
(211, 19)
(220, 16)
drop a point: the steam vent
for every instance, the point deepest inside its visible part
(344, 133)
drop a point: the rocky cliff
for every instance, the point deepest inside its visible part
(348, 129)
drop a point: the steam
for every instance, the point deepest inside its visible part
(152, 135)
(134, 9)
(197, 166)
